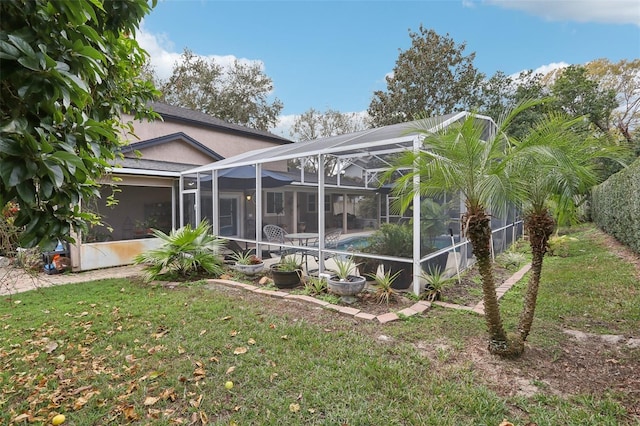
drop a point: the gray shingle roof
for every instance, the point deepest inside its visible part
(199, 118)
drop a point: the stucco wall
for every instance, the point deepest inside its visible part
(224, 144)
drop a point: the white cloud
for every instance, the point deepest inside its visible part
(284, 125)
(604, 11)
(164, 55)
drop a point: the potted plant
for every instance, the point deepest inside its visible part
(247, 263)
(394, 239)
(384, 287)
(435, 281)
(287, 272)
(343, 283)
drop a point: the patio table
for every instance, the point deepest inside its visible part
(303, 239)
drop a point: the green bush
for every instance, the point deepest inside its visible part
(186, 252)
(615, 206)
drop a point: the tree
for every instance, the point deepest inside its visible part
(623, 79)
(578, 94)
(237, 94)
(555, 161)
(433, 77)
(458, 160)
(501, 93)
(313, 124)
(69, 72)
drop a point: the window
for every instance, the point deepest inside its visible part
(327, 203)
(275, 203)
(312, 204)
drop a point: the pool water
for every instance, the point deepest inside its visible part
(354, 243)
(358, 242)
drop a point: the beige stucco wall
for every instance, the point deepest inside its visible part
(224, 144)
(177, 152)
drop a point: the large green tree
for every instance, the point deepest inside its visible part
(579, 94)
(238, 94)
(433, 77)
(69, 70)
(313, 124)
(501, 93)
(623, 79)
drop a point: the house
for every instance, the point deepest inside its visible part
(147, 181)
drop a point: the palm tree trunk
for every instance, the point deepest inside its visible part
(539, 226)
(478, 227)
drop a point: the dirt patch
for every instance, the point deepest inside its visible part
(468, 292)
(618, 249)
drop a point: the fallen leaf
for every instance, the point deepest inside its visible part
(51, 346)
(273, 376)
(251, 342)
(20, 418)
(150, 400)
(130, 413)
(284, 337)
(505, 422)
(231, 369)
(294, 408)
(233, 333)
(196, 402)
(202, 332)
(239, 351)
(130, 359)
(225, 318)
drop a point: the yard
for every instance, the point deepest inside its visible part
(119, 351)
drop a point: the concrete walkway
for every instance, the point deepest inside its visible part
(16, 280)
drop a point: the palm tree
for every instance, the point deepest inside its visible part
(462, 159)
(553, 162)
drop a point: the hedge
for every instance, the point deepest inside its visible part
(615, 206)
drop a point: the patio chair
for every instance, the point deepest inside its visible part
(331, 239)
(275, 235)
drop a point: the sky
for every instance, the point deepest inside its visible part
(335, 54)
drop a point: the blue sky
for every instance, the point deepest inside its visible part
(335, 54)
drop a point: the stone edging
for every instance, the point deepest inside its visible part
(417, 308)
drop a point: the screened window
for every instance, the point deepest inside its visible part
(275, 203)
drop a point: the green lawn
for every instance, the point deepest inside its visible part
(117, 352)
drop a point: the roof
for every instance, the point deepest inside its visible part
(171, 138)
(142, 164)
(370, 143)
(170, 112)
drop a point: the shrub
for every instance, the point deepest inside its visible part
(615, 206)
(185, 252)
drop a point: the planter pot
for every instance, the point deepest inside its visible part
(249, 269)
(405, 277)
(352, 286)
(285, 279)
(347, 289)
(437, 263)
(367, 267)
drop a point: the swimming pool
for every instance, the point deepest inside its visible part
(355, 243)
(358, 242)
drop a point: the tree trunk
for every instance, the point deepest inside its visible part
(478, 227)
(539, 226)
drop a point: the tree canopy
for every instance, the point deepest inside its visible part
(238, 94)
(69, 71)
(313, 124)
(433, 77)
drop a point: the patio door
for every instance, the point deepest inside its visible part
(229, 216)
(190, 208)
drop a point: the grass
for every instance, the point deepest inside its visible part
(120, 351)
